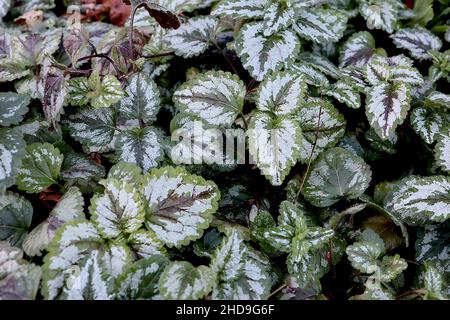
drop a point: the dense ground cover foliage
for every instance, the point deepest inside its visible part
(233, 149)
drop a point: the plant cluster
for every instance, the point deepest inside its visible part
(345, 189)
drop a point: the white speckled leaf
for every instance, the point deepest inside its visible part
(252, 278)
(146, 244)
(13, 107)
(274, 144)
(277, 16)
(281, 93)
(93, 128)
(397, 69)
(143, 147)
(88, 281)
(321, 25)
(216, 96)
(229, 258)
(40, 167)
(142, 100)
(312, 75)
(420, 200)
(363, 255)
(374, 291)
(319, 62)
(19, 280)
(442, 151)
(387, 106)
(193, 37)
(243, 9)
(336, 174)
(16, 213)
(68, 208)
(434, 282)
(357, 50)
(428, 123)
(261, 55)
(438, 99)
(125, 171)
(182, 281)
(344, 93)
(119, 210)
(74, 244)
(432, 245)
(12, 150)
(380, 14)
(323, 134)
(99, 92)
(417, 41)
(180, 206)
(391, 267)
(140, 280)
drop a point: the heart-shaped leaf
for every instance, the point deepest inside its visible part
(336, 174)
(40, 167)
(180, 206)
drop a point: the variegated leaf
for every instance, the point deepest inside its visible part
(13, 107)
(358, 50)
(442, 151)
(242, 272)
(374, 291)
(277, 16)
(40, 167)
(387, 106)
(321, 25)
(143, 147)
(228, 260)
(311, 75)
(363, 254)
(434, 282)
(281, 93)
(336, 174)
(100, 93)
(145, 244)
(12, 150)
(180, 206)
(119, 210)
(320, 63)
(380, 14)
(432, 246)
(65, 266)
(420, 200)
(261, 55)
(125, 171)
(142, 100)
(182, 281)
(68, 208)
(81, 171)
(241, 9)
(417, 41)
(193, 37)
(429, 123)
(93, 128)
(322, 126)
(274, 144)
(344, 93)
(395, 69)
(16, 213)
(141, 279)
(19, 279)
(438, 99)
(216, 97)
